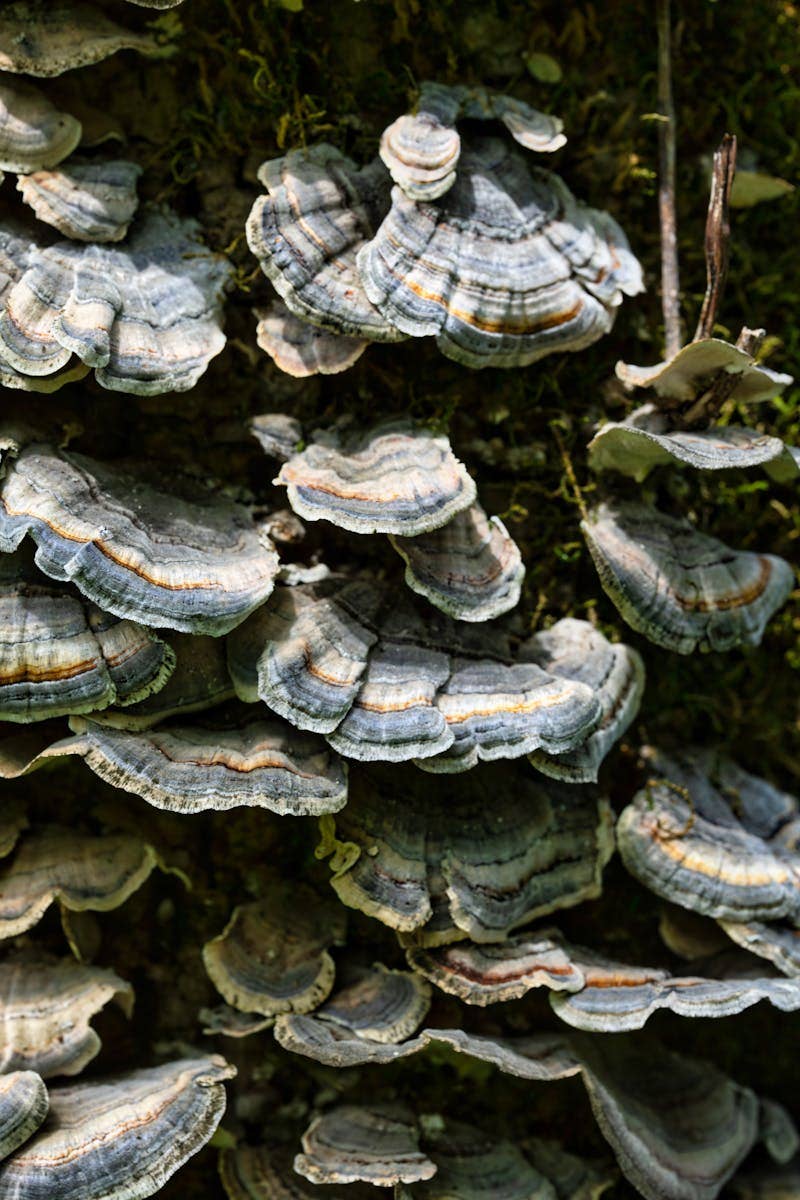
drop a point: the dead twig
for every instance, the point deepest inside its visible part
(718, 233)
(670, 285)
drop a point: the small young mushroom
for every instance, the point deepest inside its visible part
(301, 349)
(440, 864)
(681, 588)
(257, 1172)
(506, 268)
(34, 134)
(48, 37)
(46, 1007)
(217, 766)
(320, 208)
(575, 650)
(81, 872)
(86, 201)
(707, 836)
(123, 1137)
(272, 957)
(378, 1144)
(422, 149)
(139, 553)
(470, 568)
(145, 314)
(392, 479)
(366, 1021)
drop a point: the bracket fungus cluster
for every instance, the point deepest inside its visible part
(493, 257)
(439, 930)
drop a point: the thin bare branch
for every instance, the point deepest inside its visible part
(718, 233)
(670, 284)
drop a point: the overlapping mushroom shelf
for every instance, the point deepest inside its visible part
(493, 257)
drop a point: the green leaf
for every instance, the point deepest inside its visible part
(543, 67)
(751, 187)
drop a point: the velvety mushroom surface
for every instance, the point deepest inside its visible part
(681, 588)
(504, 269)
(24, 1105)
(301, 349)
(122, 1137)
(319, 210)
(273, 955)
(141, 554)
(48, 37)
(398, 480)
(377, 1144)
(80, 871)
(34, 134)
(687, 375)
(197, 767)
(145, 314)
(441, 863)
(86, 201)
(709, 837)
(45, 1012)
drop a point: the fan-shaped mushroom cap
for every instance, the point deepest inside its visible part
(23, 1108)
(575, 650)
(121, 1137)
(679, 587)
(89, 202)
(34, 135)
(305, 656)
(442, 862)
(47, 37)
(504, 269)
(196, 768)
(422, 149)
(278, 434)
(81, 872)
(470, 568)
(618, 997)
(498, 711)
(272, 957)
(320, 208)
(543, 1057)
(731, 859)
(392, 479)
(364, 1022)
(644, 440)
(301, 349)
(488, 974)
(229, 1022)
(378, 1144)
(146, 315)
(136, 552)
(45, 1014)
(156, 3)
(377, 679)
(779, 944)
(678, 1126)
(60, 654)
(687, 375)
(199, 681)
(470, 1165)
